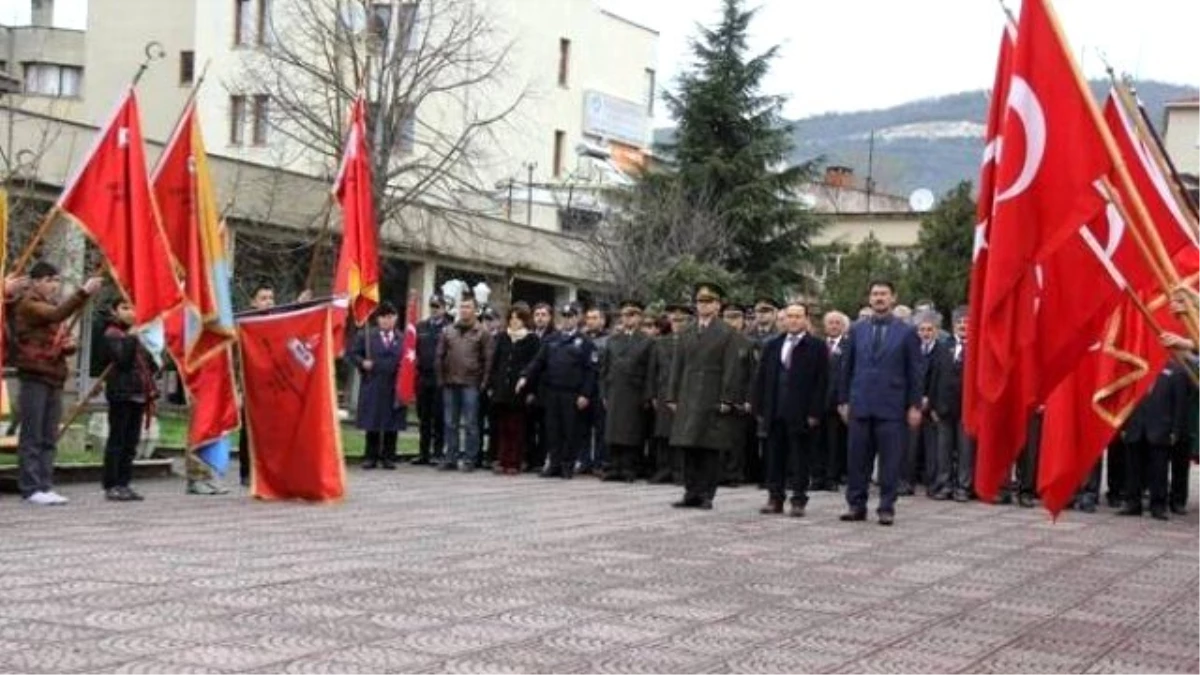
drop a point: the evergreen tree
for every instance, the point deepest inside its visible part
(729, 150)
(941, 269)
(846, 289)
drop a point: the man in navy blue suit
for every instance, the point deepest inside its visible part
(880, 391)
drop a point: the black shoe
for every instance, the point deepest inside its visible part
(1088, 506)
(887, 519)
(1026, 501)
(567, 474)
(1179, 510)
(941, 496)
(447, 466)
(1159, 514)
(389, 465)
(661, 478)
(905, 491)
(1130, 510)
(369, 464)
(1114, 500)
(689, 503)
(853, 516)
(611, 477)
(549, 473)
(705, 505)
(420, 461)
(132, 496)
(1003, 499)
(797, 509)
(961, 497)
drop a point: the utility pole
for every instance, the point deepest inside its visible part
(529, 167)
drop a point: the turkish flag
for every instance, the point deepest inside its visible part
(357, 275)
(291, 404)
(111, 200)
(983, 215)
(406, 383)
(1053, 154)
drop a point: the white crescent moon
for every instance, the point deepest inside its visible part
(1024, 103)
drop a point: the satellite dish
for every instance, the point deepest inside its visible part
(354, 17)
(921, 200)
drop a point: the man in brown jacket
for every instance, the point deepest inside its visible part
(43, 345)
(463, 361)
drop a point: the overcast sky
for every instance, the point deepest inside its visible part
(844, 55)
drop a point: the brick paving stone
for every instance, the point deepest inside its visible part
(420, 571)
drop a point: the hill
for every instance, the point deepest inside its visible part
(932, 143)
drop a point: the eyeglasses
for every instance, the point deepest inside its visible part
(706, 301)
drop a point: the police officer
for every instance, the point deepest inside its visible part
(766, 311)
(564, 371)
(429, 397)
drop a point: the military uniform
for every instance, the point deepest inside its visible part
(626, 391)
(563, 372)
(707, 381)
(593, 449)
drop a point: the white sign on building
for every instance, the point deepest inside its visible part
(614, 118)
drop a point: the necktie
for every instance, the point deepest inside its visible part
(928, 347)
(788, 347)
(877, 328)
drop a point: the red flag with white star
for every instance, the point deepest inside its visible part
(406, 383)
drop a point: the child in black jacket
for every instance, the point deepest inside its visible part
(130, 390)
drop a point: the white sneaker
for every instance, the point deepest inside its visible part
(39, 499)
(55, 499)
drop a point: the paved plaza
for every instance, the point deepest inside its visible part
(421, 571)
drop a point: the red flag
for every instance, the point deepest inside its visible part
(406, 383)
(1052, 157)
(983, 215)
(110, 198)
(187, 203)
(357, 275)
(291, 404)
(210, 387)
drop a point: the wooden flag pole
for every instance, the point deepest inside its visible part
(78, 409)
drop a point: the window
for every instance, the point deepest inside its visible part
(564, 61)
(407, 139)
(51, 79)
(560, 140)
(261, 119)
(379, 22)
(266, 27)
(407, 25)
(237, 120)
(650, 91)
(187, 67)
(243, 23)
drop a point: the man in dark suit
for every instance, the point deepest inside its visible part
(432, 437)
(707, 383)
(920, 460)
(1157, 424)
(789, 395)
(955, 450)
(535, 449)
(832, 471)
(880, 391)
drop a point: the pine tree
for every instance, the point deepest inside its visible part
(846, 289)
(941, 269)
(730, 144)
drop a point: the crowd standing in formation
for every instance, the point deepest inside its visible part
(697, 395)
(714, 393)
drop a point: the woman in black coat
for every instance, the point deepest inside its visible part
(380, 415)
(516, 347)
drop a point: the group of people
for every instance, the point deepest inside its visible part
(712, 392)
(702, 393)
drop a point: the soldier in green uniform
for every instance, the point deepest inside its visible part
(707, 383)
(668, 463)
(626, 392)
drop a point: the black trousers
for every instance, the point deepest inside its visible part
(124, 433)
(921, 455)
(381, 446)
(432, 424)
(1121, 459)
(753, 465)
(623, 461)
(1180, 460)
(562, 430)
(1028, 460)
(244, 450)
(701, 472)
(834, 442)
(1150, 473)
(787, 462)
(955, 459)
(535, 440)
(733, 461)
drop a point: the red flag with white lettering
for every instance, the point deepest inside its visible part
(291, 404)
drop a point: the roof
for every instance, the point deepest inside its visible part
(1192, 102)
(631, 22)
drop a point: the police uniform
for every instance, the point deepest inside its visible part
(563, 371)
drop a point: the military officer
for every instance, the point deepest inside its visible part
(626, 392)
(667, 460)
(733, 463)
(707, 383)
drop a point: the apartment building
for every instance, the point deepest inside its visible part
(579, 81)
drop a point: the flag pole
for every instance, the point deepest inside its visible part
(38, 235)
(83, 402)
(1146, 237)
